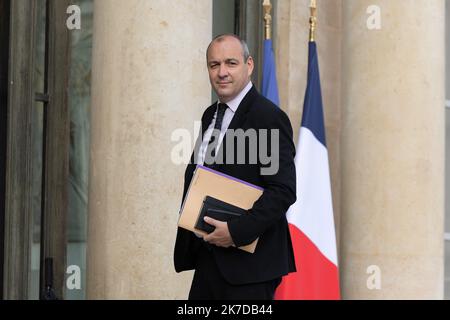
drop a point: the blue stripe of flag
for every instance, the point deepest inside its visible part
(312, 109)
(269, 76)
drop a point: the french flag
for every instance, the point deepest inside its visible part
(311, 220)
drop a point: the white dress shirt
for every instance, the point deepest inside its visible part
(229, 114)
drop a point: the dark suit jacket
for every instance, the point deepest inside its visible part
(273, 257)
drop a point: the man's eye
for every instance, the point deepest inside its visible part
(213, 65)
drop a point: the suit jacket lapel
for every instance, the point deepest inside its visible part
(207, 118)
(243, 109)
(209, 115)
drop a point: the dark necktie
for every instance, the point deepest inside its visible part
(214, 140)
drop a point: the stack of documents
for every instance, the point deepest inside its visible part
(210, 187)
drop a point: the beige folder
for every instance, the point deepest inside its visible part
(208, 182)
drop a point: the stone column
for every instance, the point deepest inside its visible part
(392, 150)
(149, 78)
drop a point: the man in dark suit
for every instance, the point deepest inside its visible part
(221, 270)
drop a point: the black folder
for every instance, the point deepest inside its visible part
(217, 210)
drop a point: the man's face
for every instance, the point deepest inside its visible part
(228, 73)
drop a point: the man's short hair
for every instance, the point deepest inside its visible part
(219, 38)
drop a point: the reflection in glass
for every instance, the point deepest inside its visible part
(79, 106)
(37, 149)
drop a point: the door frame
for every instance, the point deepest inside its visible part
(4, 53)
(56, 148)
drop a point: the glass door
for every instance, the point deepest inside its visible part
(79, 107)
(37, 158)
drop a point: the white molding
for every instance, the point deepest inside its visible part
(447, 236)
(447, 103)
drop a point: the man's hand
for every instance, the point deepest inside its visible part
(221, 236)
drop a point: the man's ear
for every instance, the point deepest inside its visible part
(250, 65)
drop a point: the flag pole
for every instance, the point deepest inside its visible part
(269, 86)
(268, 19)
(313, 21)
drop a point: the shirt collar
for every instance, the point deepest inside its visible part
(234, 104)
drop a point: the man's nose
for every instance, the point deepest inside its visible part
(223, 71)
